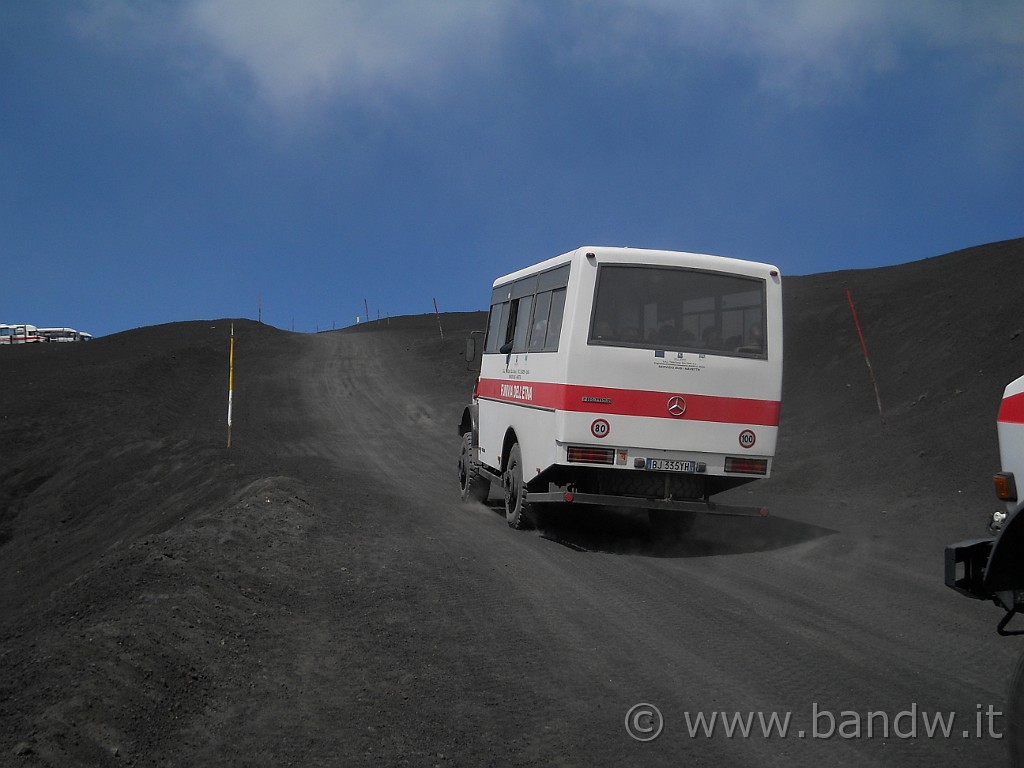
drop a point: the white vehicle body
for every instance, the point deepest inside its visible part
(64, 334)
(20, 334)
(618, 372)
(991, 568)
(1010, 429)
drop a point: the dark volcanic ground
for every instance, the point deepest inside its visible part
(317, 595)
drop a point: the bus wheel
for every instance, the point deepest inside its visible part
(518, 511)
(474, 486)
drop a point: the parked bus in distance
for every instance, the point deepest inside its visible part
(626, 377)
(64, 334)
(20, 334)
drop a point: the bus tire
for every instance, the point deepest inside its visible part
(519, 513)
(474, 486)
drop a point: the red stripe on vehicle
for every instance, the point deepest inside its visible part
(630, 402)
(1011, 411)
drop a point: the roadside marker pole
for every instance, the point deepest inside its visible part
(864, 347)
(231, 379)
(439, 328)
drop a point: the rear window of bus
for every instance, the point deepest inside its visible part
(674, 308)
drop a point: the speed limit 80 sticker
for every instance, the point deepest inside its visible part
(600, 428)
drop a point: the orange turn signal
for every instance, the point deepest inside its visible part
(1006, 487)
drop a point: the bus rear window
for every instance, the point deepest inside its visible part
(679, 309)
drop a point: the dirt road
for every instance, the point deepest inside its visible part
(318, 595)
(521, 648)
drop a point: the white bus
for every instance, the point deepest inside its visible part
(629, 378)
(20, 334)
(64, 334)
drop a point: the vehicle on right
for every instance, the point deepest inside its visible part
(992, 567)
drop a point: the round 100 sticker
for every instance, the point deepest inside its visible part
(600, 428)
(747, 438)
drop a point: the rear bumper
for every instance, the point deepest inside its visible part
(634, 502)
(705, 507)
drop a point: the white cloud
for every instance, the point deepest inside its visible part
(813, 47)
(304, 51)
(298, 51)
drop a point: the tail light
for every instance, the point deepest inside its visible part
(746, 466)
(588, 455)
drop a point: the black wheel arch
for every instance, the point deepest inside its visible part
(470, 421)
(1005, 568)
(506, 445)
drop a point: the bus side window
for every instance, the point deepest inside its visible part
(551, 287)
(555, 320)
(524, 317)
(496, 326)
(540, 321)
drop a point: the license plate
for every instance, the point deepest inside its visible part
(671, 465)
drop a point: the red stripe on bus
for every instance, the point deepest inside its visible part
(1011, 411)
(631, 402)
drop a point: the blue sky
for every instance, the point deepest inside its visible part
(164, 161)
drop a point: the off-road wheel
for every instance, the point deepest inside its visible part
(474, 486)
(519, 512)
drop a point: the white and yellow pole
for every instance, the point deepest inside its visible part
(231, 379)
(438, 315)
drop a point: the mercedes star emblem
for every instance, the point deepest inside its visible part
(676, 405)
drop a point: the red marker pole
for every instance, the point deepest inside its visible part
(864, 347)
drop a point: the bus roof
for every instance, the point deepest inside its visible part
(622, 254)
